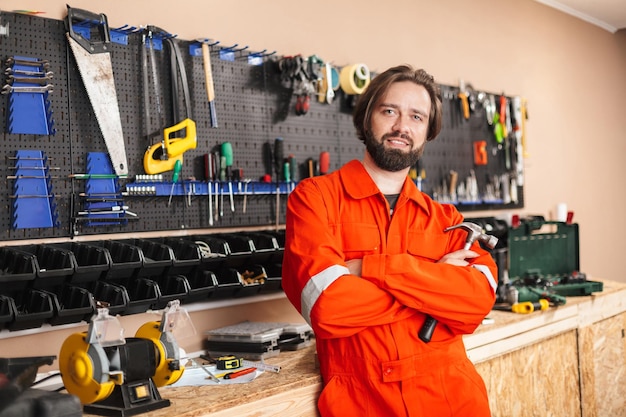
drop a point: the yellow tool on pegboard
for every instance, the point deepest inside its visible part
(354, 79)
(162, 157)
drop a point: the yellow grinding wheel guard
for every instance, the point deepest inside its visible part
(77, 371)
(163, 375)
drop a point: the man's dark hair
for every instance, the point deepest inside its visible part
(378, 87)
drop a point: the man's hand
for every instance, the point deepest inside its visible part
(354, 266)
(458, 257)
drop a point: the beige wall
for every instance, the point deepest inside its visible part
(572, 73)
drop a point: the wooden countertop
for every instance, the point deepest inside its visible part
(297, 374)
(298, 383)
(512, 331)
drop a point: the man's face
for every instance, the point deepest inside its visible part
(399, 125)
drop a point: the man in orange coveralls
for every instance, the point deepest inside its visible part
(367, 259)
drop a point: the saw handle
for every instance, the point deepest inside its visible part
(93, 46)
(176, 146)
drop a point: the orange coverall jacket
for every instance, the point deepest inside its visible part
(371, 359)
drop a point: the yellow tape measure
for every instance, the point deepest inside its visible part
(228, 362)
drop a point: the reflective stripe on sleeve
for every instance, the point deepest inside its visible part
(316, 285)
(487, 273)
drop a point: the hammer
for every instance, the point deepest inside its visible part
(474, 233)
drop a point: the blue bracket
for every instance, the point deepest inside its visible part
(257, 58)
(195, 49)
(30, 112)
(99, 164)
(156, 37)
(120, 35)
(34, 204)
(195, 188)
(228, 53)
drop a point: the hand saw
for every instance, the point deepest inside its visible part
(94, 64)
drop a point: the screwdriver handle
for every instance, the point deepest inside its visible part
(279, 156)
(293, 168)
(227, 158)
(227, 153)
(178, 166)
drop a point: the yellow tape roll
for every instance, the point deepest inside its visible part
(354, 79)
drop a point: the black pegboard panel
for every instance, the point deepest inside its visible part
(253, 109)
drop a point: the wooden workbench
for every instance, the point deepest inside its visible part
(566, 361)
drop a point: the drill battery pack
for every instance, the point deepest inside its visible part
(546, 254)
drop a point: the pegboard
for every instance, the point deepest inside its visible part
(253, 108)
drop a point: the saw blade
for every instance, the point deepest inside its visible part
(97, 73)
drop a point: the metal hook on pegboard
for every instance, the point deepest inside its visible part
(120, 34)
(257, 58)
(157, 36)
(195, 48)
(228, 53)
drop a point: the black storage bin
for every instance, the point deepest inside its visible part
(187, 255)
(232, 282)
(72, 305)
(274, 277)
(143, 295)
(112, 296)
(202, 284)
(228, 284)
(17, 271)
(91, 262)
(32, 309)
(126, 260)
(266, 248)
(241, 248)
(158, 258)
(55, 265)
(213, 251)
(172, 287)
(252, 279)
(6, 311)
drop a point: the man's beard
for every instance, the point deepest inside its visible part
(392, 160)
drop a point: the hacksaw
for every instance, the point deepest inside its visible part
(94, 64)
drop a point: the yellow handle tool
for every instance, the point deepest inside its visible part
(528, 307)
(162, 157)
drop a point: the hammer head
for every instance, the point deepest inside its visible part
(474, 233)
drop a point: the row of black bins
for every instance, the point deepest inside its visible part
(61, 283)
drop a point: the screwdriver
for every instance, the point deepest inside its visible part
(293, 168)
(178, 166)
(208, 172)
(227, 154)
(278, 167)
(279, 157)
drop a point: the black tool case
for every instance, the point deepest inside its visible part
(547, 253)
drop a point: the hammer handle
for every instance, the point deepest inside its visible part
(426, 332)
